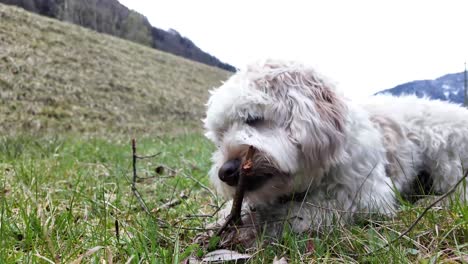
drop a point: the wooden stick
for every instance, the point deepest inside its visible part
(134, 189)
(235, 215)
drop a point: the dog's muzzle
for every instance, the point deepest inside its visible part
(229, 174)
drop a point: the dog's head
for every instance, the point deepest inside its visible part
(290, 114)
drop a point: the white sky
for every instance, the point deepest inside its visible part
(364, 46)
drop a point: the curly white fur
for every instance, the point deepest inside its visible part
(349, 157)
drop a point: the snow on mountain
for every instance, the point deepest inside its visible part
(449, 87)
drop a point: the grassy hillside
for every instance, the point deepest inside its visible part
(59, 77)
(113, 18)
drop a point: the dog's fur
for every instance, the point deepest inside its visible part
(349, 158)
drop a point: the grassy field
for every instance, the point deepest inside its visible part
(60, 199)
(72, 99)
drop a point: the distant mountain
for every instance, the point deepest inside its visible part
(111, 17)
(449, 87)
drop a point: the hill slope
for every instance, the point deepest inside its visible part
(111, 17)
(56, 76)
(449, 87)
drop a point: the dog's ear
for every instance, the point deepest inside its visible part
(317, 117)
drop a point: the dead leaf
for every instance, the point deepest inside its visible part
(224, 255)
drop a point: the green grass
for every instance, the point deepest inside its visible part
(61, 197)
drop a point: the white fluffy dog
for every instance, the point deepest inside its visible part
(322, 158)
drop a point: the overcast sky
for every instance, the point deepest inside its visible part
(364, 46)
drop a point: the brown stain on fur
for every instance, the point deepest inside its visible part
(393, 136)
(330, 107)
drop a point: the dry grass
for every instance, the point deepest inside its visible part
(59, 77)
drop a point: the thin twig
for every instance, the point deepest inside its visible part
(206, 188)
(134, 189)
(417, 219)
(134, 158)
(218, 208)
(235, 215)
(172, 203)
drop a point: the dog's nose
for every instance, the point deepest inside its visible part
(229, 172)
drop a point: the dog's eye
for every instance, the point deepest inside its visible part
(253, 120)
